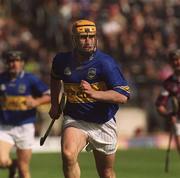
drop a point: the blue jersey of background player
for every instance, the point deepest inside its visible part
(101, 72)
(20, 94)
(94, 87)
(14, 95)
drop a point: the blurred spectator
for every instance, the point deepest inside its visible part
(137, 33)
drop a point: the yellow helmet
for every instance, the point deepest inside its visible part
(84, 27)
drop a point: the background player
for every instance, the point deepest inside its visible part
(94, 86)
(20, 94)
(171, 89)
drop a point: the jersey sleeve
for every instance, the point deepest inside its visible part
(166, 92)
(58, 65)
(114, 78)
(38, 87)
(55, 72)
(162, 99)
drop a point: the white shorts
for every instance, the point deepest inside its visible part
(177, 126)
(20, 136)
(101, 137)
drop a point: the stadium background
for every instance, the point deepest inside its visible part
(137, 33)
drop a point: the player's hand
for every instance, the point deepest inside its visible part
(54, 112)
(31, 102)
(86, 87)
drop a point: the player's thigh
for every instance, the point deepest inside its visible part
(73, 140)
(104, 161)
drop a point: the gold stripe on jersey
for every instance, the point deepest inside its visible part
(75, 93)
(14, 103)
(125, 88)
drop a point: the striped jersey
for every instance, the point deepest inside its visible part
(171, 88)
(102, 72)
(13, 93)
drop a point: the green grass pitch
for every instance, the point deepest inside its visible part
(132, 163)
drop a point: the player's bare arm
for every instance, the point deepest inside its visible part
(106, 96)
(34, 102)
(162, 110)
(55, 91)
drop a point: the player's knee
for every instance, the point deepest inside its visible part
(69, 157)
(4, 162)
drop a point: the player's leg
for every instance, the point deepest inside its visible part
(6, 144)
(177, 127)
(24, 142)
(105, 164)
(73, 141)
(5, 148)
(103, 140)
(24, 157)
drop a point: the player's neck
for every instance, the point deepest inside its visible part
(82, 57)
(14, 75)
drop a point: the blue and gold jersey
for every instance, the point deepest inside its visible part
(13, 93)
(101, 71)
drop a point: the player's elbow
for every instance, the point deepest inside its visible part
(161, 110)
(122, 99)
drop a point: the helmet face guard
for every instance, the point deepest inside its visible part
(84, 36)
